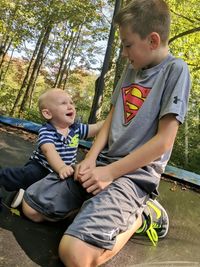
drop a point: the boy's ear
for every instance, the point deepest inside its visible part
(154, 39)
(46, 114)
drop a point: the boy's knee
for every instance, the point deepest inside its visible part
(66, 250)
(74, 252)
(30, 213)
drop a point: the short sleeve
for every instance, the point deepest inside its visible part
(176, 95)
(45, 136)
(83, 130)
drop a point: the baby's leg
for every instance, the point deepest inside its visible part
(31, 213)
(12, 179)
(53, 199)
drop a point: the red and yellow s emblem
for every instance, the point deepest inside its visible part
(133, 97)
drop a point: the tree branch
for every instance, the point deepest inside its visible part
(184, 33)
(183, 17)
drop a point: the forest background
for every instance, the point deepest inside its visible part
(73, 45)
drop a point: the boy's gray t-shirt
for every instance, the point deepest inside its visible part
(142, 98)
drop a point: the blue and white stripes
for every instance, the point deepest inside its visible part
(66, 146)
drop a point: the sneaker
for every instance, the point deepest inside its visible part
(156, 224)
(18, 198)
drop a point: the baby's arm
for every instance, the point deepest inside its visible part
(95, 128)
(55, 161)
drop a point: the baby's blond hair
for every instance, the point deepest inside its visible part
(45, 97)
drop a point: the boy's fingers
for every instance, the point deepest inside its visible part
(76, 171)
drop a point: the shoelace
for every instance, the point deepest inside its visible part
(151, 232)
(152, 235)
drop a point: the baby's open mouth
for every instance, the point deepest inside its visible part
(69, 114)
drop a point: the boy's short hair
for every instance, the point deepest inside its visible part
(146, 16)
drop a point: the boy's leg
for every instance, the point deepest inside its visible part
(53, 199)
(103, 225)
(90, 255)
(91, 233)
(94, 256)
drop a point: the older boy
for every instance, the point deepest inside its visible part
(133, 146)
(58, 141)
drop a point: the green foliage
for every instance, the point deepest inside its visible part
(81, 87)
(185, 43)
(32, 114)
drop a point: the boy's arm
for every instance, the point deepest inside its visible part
(161, 143)
(55, 161)
(94, 128)
(96, 180)
(101, 140)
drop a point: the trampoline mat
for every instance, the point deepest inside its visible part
(24, 243)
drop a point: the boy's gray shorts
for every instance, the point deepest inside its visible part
(101, 218)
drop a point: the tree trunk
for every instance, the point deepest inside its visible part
(3, 73)
(99, 85)
(5, 51)
(65, 51)
(67, 60)
(26, 78)
(120, 64)
(68, 66)
(35, 71)
(36, 76)
(62, 72)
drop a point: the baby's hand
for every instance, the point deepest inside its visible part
(65, 171)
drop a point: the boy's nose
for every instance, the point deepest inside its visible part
(124, 52)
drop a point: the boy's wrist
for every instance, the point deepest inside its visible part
(90, 157)
(113, 174)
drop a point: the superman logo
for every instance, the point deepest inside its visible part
(133, 98)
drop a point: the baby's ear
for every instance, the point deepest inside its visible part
(46, 114)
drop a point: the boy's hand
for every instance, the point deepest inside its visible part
(96, 180)
(83, 167)
(65, 171)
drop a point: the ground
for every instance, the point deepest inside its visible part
(26, 244)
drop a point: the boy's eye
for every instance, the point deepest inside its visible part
(127, 45)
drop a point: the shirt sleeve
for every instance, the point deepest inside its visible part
(176, 94)
(45, 136)
(83, 130)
